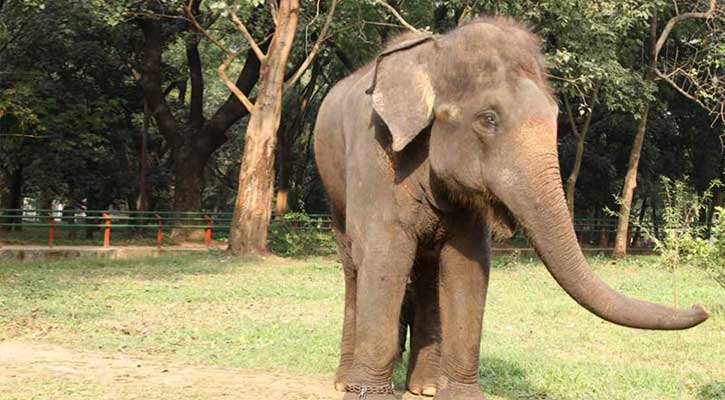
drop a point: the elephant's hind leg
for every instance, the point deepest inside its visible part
(424, 362)
(347, 346)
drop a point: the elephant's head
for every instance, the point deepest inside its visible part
(481, 89)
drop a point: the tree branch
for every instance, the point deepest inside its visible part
(149, 76)
(399, 17)
(222, 70)
(231, 111)
(231, 55)
(679, 89)
(316, 48)
(196, 112)
(570, 116)
(243, 29)
(679, 18)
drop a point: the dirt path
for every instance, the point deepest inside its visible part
(28, 369)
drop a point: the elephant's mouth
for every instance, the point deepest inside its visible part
(501, 220)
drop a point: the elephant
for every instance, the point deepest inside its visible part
(424, 153)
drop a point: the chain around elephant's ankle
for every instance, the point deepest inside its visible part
(364, 390)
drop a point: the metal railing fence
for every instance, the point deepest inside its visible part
(35, 225)
(130, 225)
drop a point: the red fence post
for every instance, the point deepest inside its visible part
(207, 231)
(51, 233)
(106, 230)
(160, 233)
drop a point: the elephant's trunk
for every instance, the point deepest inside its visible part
(545, 217)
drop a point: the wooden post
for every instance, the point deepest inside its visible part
(106, 230)
(160, 232)
(51, 233)
(207, 231)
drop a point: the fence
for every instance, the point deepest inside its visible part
(34, 225)
(126, 227)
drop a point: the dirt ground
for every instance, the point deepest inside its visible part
(116, 376)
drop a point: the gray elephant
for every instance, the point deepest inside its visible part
(423, 153)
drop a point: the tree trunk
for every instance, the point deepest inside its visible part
(630, 180)
(571, 182)
(14, 198)
(142, 201)
(630, 183)
(253, 206)
(581, 136)
(638, 233)
(195, 140)
(655, 223)
(189, 165)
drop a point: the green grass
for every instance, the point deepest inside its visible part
(284, 315)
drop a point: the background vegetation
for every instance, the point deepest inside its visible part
(119, 103)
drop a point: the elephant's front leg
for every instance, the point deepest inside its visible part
(347, 345)
(463, 285)
(424, 361)
(386, 260)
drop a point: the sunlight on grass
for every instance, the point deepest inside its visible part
(284, 315)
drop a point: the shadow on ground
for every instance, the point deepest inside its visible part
(712, 391)
(497, 377)
(508, 380)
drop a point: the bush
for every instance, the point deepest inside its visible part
(683, 238)
(709, 253)
(298, 234)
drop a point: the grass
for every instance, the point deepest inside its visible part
(284, 315)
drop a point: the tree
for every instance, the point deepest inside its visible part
(66, 106)
(252, 209)
(652, 74)
(191, 135)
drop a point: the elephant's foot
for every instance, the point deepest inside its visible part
(358, 392)
(423, 379)
(341, 376)
(458, 391)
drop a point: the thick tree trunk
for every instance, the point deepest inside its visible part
(14, 197)
(630, 183)
(195, 140)
(189, 165)
(253, 206)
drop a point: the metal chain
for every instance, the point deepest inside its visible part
(363, 391)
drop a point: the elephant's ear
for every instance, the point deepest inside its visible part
(402, 91)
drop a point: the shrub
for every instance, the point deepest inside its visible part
(709, 253)
(298, 234)
(683, 238)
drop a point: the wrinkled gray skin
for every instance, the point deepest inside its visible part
(457, 135)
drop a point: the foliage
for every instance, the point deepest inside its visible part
(682, 238)
(298, 234)
(709, 253)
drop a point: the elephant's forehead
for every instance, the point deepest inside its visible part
(488, 53)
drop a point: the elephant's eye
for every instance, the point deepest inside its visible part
(486, 122)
